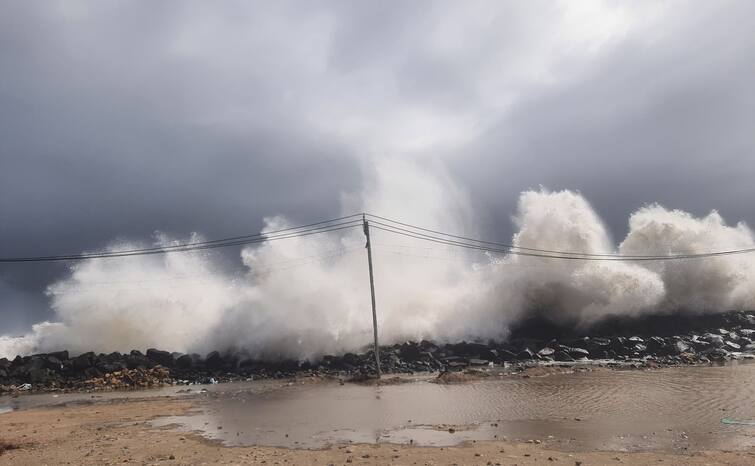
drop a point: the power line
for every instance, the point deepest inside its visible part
(286, 233)
(392, 226)
(268, 269)
(613, 258)
(511, 247)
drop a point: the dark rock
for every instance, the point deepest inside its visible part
(525, 354)
(60, 355)
(655, 344)
(137, 360)
(600, 342)
(546, 352)
(184, 362)
(470, 350)
(717, 341)
(83, 361)
(731, 346)
(163, 358)
(678, 347)
(563, 356)
(699, 344)
(620, 346)
(639, 348)
(213, 361)
(717, 354)
(110, 367)
(53, 363)
(478, 362)
(506, 355)
(428, 346)
(40, 376)
(579, 353)
(410, 351)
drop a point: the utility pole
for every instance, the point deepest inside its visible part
(372, 292)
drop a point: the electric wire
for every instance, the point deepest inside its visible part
(615, 258)
(239, 274)
(392, 226)
(294, 232)
(510, 247)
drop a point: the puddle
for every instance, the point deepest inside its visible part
(671, 409)
(10, 403)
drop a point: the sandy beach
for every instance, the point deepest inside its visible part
(119, 432)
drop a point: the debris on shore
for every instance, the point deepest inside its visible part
(653, 342)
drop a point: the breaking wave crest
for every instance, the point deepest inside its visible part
(308, 296)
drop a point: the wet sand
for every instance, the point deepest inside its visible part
(118, 433)
(673, 409)
(669, 416)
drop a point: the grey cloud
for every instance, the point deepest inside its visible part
(118, 119)
(665, 121)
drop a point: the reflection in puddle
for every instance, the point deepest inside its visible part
(679, 408)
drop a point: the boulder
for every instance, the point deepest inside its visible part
(717, 341)
(655, 344)
(470, 350)
(137, 360)
(410, 351)
(506, 355)
(53, 363)
(620, 345)
(163, 358)
(546, 352)
(478, 362)
(213, 361)
(61, 355)
(639, 348)
(41, 376)
(731, 346)
(428, 346)
(526, 353)
(678, 347)
(184, 361)
(83, 361)
(717, 354)
(579, 353)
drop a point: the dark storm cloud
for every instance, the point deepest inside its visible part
(104, 133)
(118, 119)
(664, 120)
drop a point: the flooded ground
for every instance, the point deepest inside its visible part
(679, 409)
(676, 408)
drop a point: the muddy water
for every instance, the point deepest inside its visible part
(667, 409)
(34, 400)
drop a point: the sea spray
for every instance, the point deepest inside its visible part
(307, 296)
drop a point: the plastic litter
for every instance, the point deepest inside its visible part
(738, 422)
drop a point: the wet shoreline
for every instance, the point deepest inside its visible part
(673, 409)
(669, 409)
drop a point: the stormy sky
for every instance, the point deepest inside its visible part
(122, 118)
